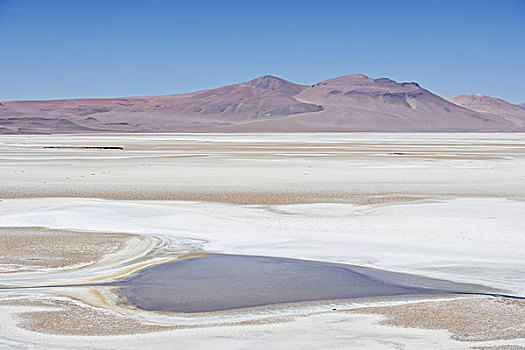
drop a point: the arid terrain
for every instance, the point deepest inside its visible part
(268, 104)
(80, 211)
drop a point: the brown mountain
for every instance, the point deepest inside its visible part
(268, 103)
(522, 106)
(491, 105)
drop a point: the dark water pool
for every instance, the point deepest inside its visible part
(223, 282)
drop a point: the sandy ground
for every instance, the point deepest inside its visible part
(440, 205)
(467, 319)
(264, 168)
(40, 249)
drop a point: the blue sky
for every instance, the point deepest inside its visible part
(76, 48)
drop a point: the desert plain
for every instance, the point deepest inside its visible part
(78, 212)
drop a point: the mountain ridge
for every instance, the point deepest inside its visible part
(491, 105)
(353, 102)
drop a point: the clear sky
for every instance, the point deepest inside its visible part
(89, 48)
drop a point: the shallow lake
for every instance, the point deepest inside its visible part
(223, 282)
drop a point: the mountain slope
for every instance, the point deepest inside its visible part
(265, 97)
(269, 82)
(348, 103)
(491, 105)
(485, 104)
(360, 103)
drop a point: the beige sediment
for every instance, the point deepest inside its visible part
(71, 316)
(65, 317)
(300, 169)
(470, 319)
(255, 197)
(41, 249)
(39, 257)
(243, 197)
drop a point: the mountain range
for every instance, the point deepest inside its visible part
(348, 103)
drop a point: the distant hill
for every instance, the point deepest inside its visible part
(491, 105)
(348, 103)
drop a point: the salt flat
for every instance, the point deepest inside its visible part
(447, 206)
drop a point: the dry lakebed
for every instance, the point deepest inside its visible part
(263, 240)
